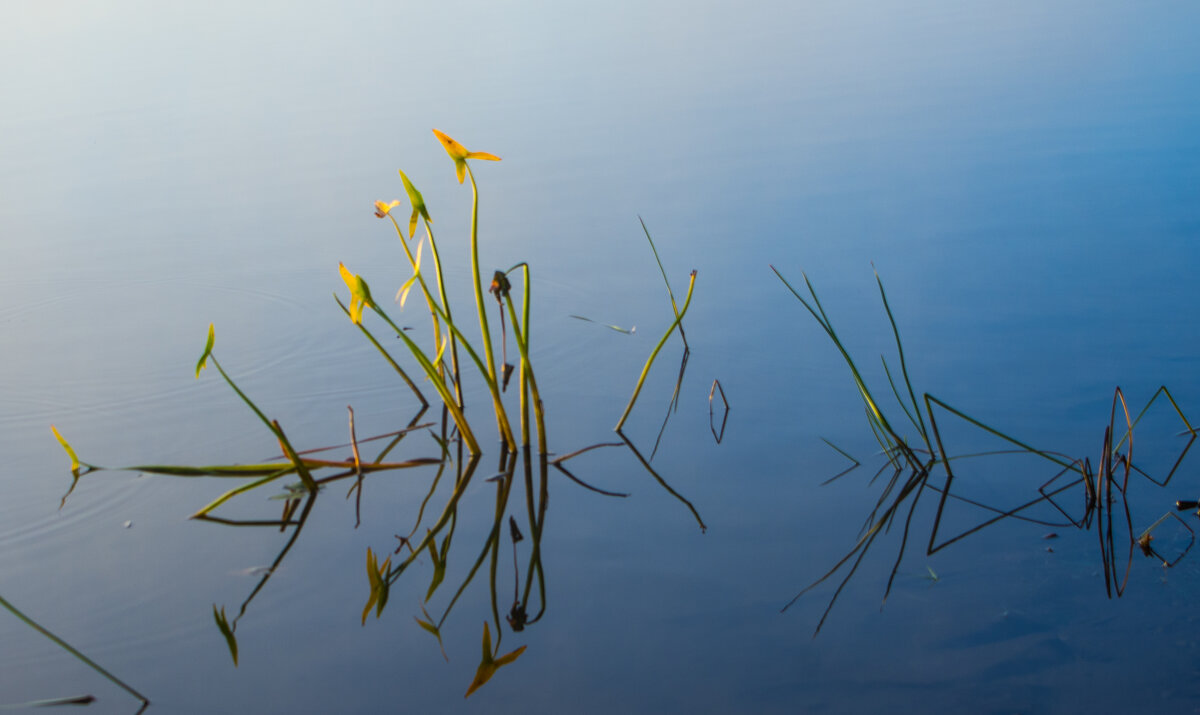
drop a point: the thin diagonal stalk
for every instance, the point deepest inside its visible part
(438, 383)
(646, 370)
(662, 270)
(387, 356)
(67, 647)
(429, 300)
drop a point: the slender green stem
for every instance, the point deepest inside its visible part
(527, 381)
(438, 383)
(646, 370)
(387, 356)
(437, 267)
(239, 490)
(501, 416)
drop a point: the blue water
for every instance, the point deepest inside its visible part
(1024, 178)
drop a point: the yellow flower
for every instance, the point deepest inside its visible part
(382, 209)
(418, 204)
(459, 154)
(360, 295)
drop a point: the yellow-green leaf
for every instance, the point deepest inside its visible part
(459, 154)
(70, 452)
(203, 363)
(489, 665)
(418, 205)
(223, 624)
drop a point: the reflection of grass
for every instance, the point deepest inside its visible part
(912, 461)
(82, 700)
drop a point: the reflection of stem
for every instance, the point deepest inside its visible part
(673, 405)
(299, 524)
(537, 522)
(67, 647)
(660, 480)
(491, 547)
(447, 512)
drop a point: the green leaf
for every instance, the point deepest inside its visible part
(439, 571)
(203, 363)
(223, 624)
(70, 452)
(489, 665)
(428, 625)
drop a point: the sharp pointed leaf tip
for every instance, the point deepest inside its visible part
(67, 448)
(208, 346)
(223, 625)
(456, 151)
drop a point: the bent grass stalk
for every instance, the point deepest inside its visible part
(654, 354)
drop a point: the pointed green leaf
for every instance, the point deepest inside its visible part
(223, 624)
(489, 665)
(208, 346)
(70, 452)
(439, 571)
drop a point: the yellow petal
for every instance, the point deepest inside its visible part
(382, 209)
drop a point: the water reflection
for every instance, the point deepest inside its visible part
(911, 466)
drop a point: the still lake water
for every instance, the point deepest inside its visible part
(1025, 178)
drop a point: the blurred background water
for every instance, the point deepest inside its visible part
(1024, 178)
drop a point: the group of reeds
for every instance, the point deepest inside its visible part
(445, 363)
(916, 461)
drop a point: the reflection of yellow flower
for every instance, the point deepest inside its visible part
(418, 204)
(490, 663)
(360, 295)
(382, 209)
(459, 154)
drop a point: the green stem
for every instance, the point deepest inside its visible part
(438, 383)
(646, 370)
(501, 416)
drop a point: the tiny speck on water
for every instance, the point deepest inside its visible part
(128, 524)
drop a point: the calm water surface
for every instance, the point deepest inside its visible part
(1025, 178)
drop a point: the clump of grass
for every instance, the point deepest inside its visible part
(912, 462)
(441, 364)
